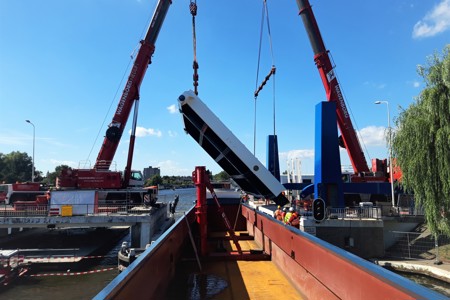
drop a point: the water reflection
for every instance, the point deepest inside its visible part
(428, 282)
(204, 286)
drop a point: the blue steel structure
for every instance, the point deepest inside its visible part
(273, 163)
(327, 164)
(328, 183)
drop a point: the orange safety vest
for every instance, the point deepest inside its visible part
(294, 220)
(279, 215)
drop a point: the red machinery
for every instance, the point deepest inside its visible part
(19, 192)
(100, 176)
(348, 137)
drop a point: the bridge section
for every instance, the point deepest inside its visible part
(144, 222)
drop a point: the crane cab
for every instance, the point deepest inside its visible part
(136, 179)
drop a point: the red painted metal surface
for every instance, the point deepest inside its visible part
(215, 222)
(317, 269)
(332, 89)
(151, 278)
(198, 176)
(201, 181)
(319, 272)
(131, 90)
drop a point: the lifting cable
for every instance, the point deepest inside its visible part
(349, 109)
(119, 88)
(193, 9)
(100, 130)
(265, 14)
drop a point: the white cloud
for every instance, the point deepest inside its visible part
(435, 21)
(14, 140)
(306, 157)
(172, 109)
(173, 168)
(69, 163)
(373, 136)
(172, 133)
(141, 132)
(413, 83)
(17, 139)
(301, 153)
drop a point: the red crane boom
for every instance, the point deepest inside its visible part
(130, 92)
(332, 89)
(100, 176)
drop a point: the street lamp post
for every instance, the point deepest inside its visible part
(32, 165)
(391, 166)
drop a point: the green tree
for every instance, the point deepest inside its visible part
(50, 178)
(154, 180)
(422, 143)
(221, 176)
(16, 166)
(2, 167)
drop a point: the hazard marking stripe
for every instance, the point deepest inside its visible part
(72, 273)
(52, 258)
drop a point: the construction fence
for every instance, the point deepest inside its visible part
(420, 245)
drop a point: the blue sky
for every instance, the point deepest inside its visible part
(62, 62)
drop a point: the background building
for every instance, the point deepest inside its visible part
(150, 172)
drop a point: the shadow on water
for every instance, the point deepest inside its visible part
(205, 286)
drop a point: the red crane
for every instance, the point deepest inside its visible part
(100, 176)
(332, 89)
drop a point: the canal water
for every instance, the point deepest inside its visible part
(431, 283)
(86, 286)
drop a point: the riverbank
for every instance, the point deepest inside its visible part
(425, 262)
(425, 267)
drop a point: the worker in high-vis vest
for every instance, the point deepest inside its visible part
(294, 220)
(288, 215)
(278, 214)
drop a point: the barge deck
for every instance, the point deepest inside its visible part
(231, 279)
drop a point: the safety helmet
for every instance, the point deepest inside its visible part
(284, 209)
(291, 209)
(279, 207)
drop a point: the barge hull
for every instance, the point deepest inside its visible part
(312, 267)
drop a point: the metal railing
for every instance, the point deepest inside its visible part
(419, 245)
(43, 210)
(354, 213)
(401, 211)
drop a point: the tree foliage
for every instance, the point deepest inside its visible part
(221, 176)
(154, 180)
(50, 178)
(16, 166)
(422, 143)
